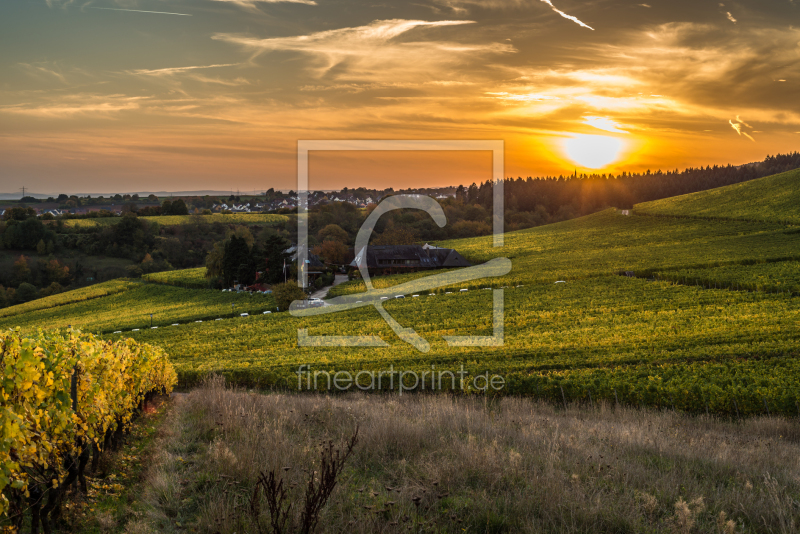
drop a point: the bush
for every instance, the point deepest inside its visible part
(26, 292)
(287, 293)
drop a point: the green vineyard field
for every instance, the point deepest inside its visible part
(131, 308)
(175, 220)
(608, 242)
(597, 335)
(774, 277)
(103, 289)
(191, 278)
(773, 198)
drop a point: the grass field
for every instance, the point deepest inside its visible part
(453, 465)
(174, 220)
(773, 198)
(596, 336)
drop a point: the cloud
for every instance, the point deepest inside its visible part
(738, 127)
(730, 17)
(742, 122)
(459, 7)
(526, 97)
(82, 104)
(604, 123)
(176, 70)
(374, 51)
(38, 69)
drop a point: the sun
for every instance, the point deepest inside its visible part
(593, 151)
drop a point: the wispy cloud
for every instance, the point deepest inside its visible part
(604, 123)
(373, 51)
(525, 97)
(459, 6)
(568, 17)
(38, 69)
(730, 17)
(738, 127)
(176, 70)
(96, 105)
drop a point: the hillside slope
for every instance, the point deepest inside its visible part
(773, 198)
(668, 343)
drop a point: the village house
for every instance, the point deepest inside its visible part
(388, 259)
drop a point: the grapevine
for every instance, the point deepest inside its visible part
(63, 395)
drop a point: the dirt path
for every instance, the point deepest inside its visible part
(322, 293)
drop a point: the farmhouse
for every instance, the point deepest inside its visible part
(385, 259)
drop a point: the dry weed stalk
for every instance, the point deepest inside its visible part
(319, 488)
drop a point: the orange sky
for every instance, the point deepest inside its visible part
(99, 96)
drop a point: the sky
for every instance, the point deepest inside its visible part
(159, 95)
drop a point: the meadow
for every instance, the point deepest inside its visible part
(175, 220)
(443, 464)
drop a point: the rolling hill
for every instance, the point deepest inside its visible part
(773, 198)
(669, 341)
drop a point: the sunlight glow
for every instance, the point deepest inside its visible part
(593, 151)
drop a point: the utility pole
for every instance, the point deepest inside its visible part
(23, 191)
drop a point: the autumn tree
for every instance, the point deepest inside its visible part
(332, 251)
(396, 235)
(333, 232)
(22, 272)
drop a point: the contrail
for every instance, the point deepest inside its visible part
(140, 11)
(570, 17)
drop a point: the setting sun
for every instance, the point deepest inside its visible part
(593, 151)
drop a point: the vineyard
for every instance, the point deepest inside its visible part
(595, 335)
(131, 307)
(643, 339)
(189, 278)
(608, 242)
(103, 289)
(774, 198)
(176, 220)
(66, 397)
(774, 277)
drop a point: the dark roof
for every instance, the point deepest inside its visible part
(411, 256)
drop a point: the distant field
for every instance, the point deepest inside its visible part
(608, 242)
(131, 308)
(774, 198)
(174, 220)
(78, 295)
(192, 278)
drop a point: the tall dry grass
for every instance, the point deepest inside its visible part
(444, 464)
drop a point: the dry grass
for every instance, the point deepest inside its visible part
(443, 464)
